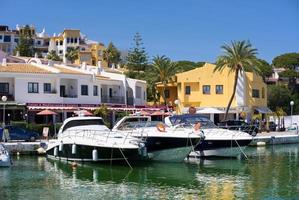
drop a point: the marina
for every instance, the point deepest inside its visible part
(207, 179)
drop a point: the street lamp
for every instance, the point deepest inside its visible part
(4, 99)
(292, 104)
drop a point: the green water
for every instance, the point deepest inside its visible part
(270, 173)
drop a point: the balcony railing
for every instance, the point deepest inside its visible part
(69, 96)
(130, 101)
(114, 99)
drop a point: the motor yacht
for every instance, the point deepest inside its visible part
(161, 142)
(88, 139)
(5, 159)
(217, 141)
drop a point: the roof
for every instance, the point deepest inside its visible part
(102, 77)
(23, 68)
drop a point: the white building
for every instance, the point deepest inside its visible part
(33, 86)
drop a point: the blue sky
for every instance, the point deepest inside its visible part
(180, 29)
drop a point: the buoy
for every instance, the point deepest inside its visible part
(74, 164)
(261, 144)
(95, 155)
(61, 146)
(74, 149)
(41, 150)
(55, 151)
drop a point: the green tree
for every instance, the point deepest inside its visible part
(289, 61)
(185, 65)
(137, 56)
(111, 54)
(103, 112)
(279, 96)
(25, 46)
(265, 69)
(72, 54)
(52, 55)
(236, 57)
(164, 70)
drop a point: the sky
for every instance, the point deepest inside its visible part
(180, 29)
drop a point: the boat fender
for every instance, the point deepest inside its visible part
(160, 127)
(74, 148)
(61, 146)
(55, 151)
(95, 155)
(74, 164)
(144, 152)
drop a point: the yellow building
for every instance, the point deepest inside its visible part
(203, 88)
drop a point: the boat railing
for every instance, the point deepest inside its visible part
(224, 132)
(94, 135)
(251, 129)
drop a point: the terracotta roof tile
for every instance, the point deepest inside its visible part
(23, 68)
(68, 71)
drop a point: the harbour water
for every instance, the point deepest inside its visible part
(269, 173)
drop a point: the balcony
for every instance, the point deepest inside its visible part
(114, 99)
(130, 101)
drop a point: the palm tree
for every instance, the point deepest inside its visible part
(72, 54)
(52, 55)
(237, 56)
(164, 69)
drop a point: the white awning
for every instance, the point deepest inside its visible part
(263, 110)
(210, 111)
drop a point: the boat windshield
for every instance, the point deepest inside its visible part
(83, 122)
(188, 120)
(133, 123)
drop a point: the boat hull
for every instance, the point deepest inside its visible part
(167, 149)
(5, 161)
(220, 148)
(84, 153)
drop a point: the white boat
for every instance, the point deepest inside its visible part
(162, 143)
(88, 139)
(5, 159)
(217, 141)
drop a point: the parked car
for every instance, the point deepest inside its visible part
(17, 133)
(239, 125)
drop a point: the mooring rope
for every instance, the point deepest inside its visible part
(125, 158)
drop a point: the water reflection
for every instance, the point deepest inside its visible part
(270, 172)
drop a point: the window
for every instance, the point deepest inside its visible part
(56, 43)
(47, 87)
(60, 51)
(38, 42)
(4, 88)
(219, 89)
(7, 38)
(67, 40)
(206, 89)
(0, 37)
(76, 40)
(166, 93)
(17, 40)
(32, 87)
(110, 92)
(138, 92)
(95, 90)
(263, 93)
(61, 42)
(72, 40)
(84, 90)
(187, 90)
(255, 93)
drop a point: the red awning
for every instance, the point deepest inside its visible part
(47, 112)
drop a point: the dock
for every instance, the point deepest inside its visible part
(286, 137)
(21, 147)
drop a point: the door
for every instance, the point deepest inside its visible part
(62, 91)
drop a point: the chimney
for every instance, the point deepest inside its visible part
(4, 64)
(35, 55)
(113, 66)
(100, 64)
(18, 54)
